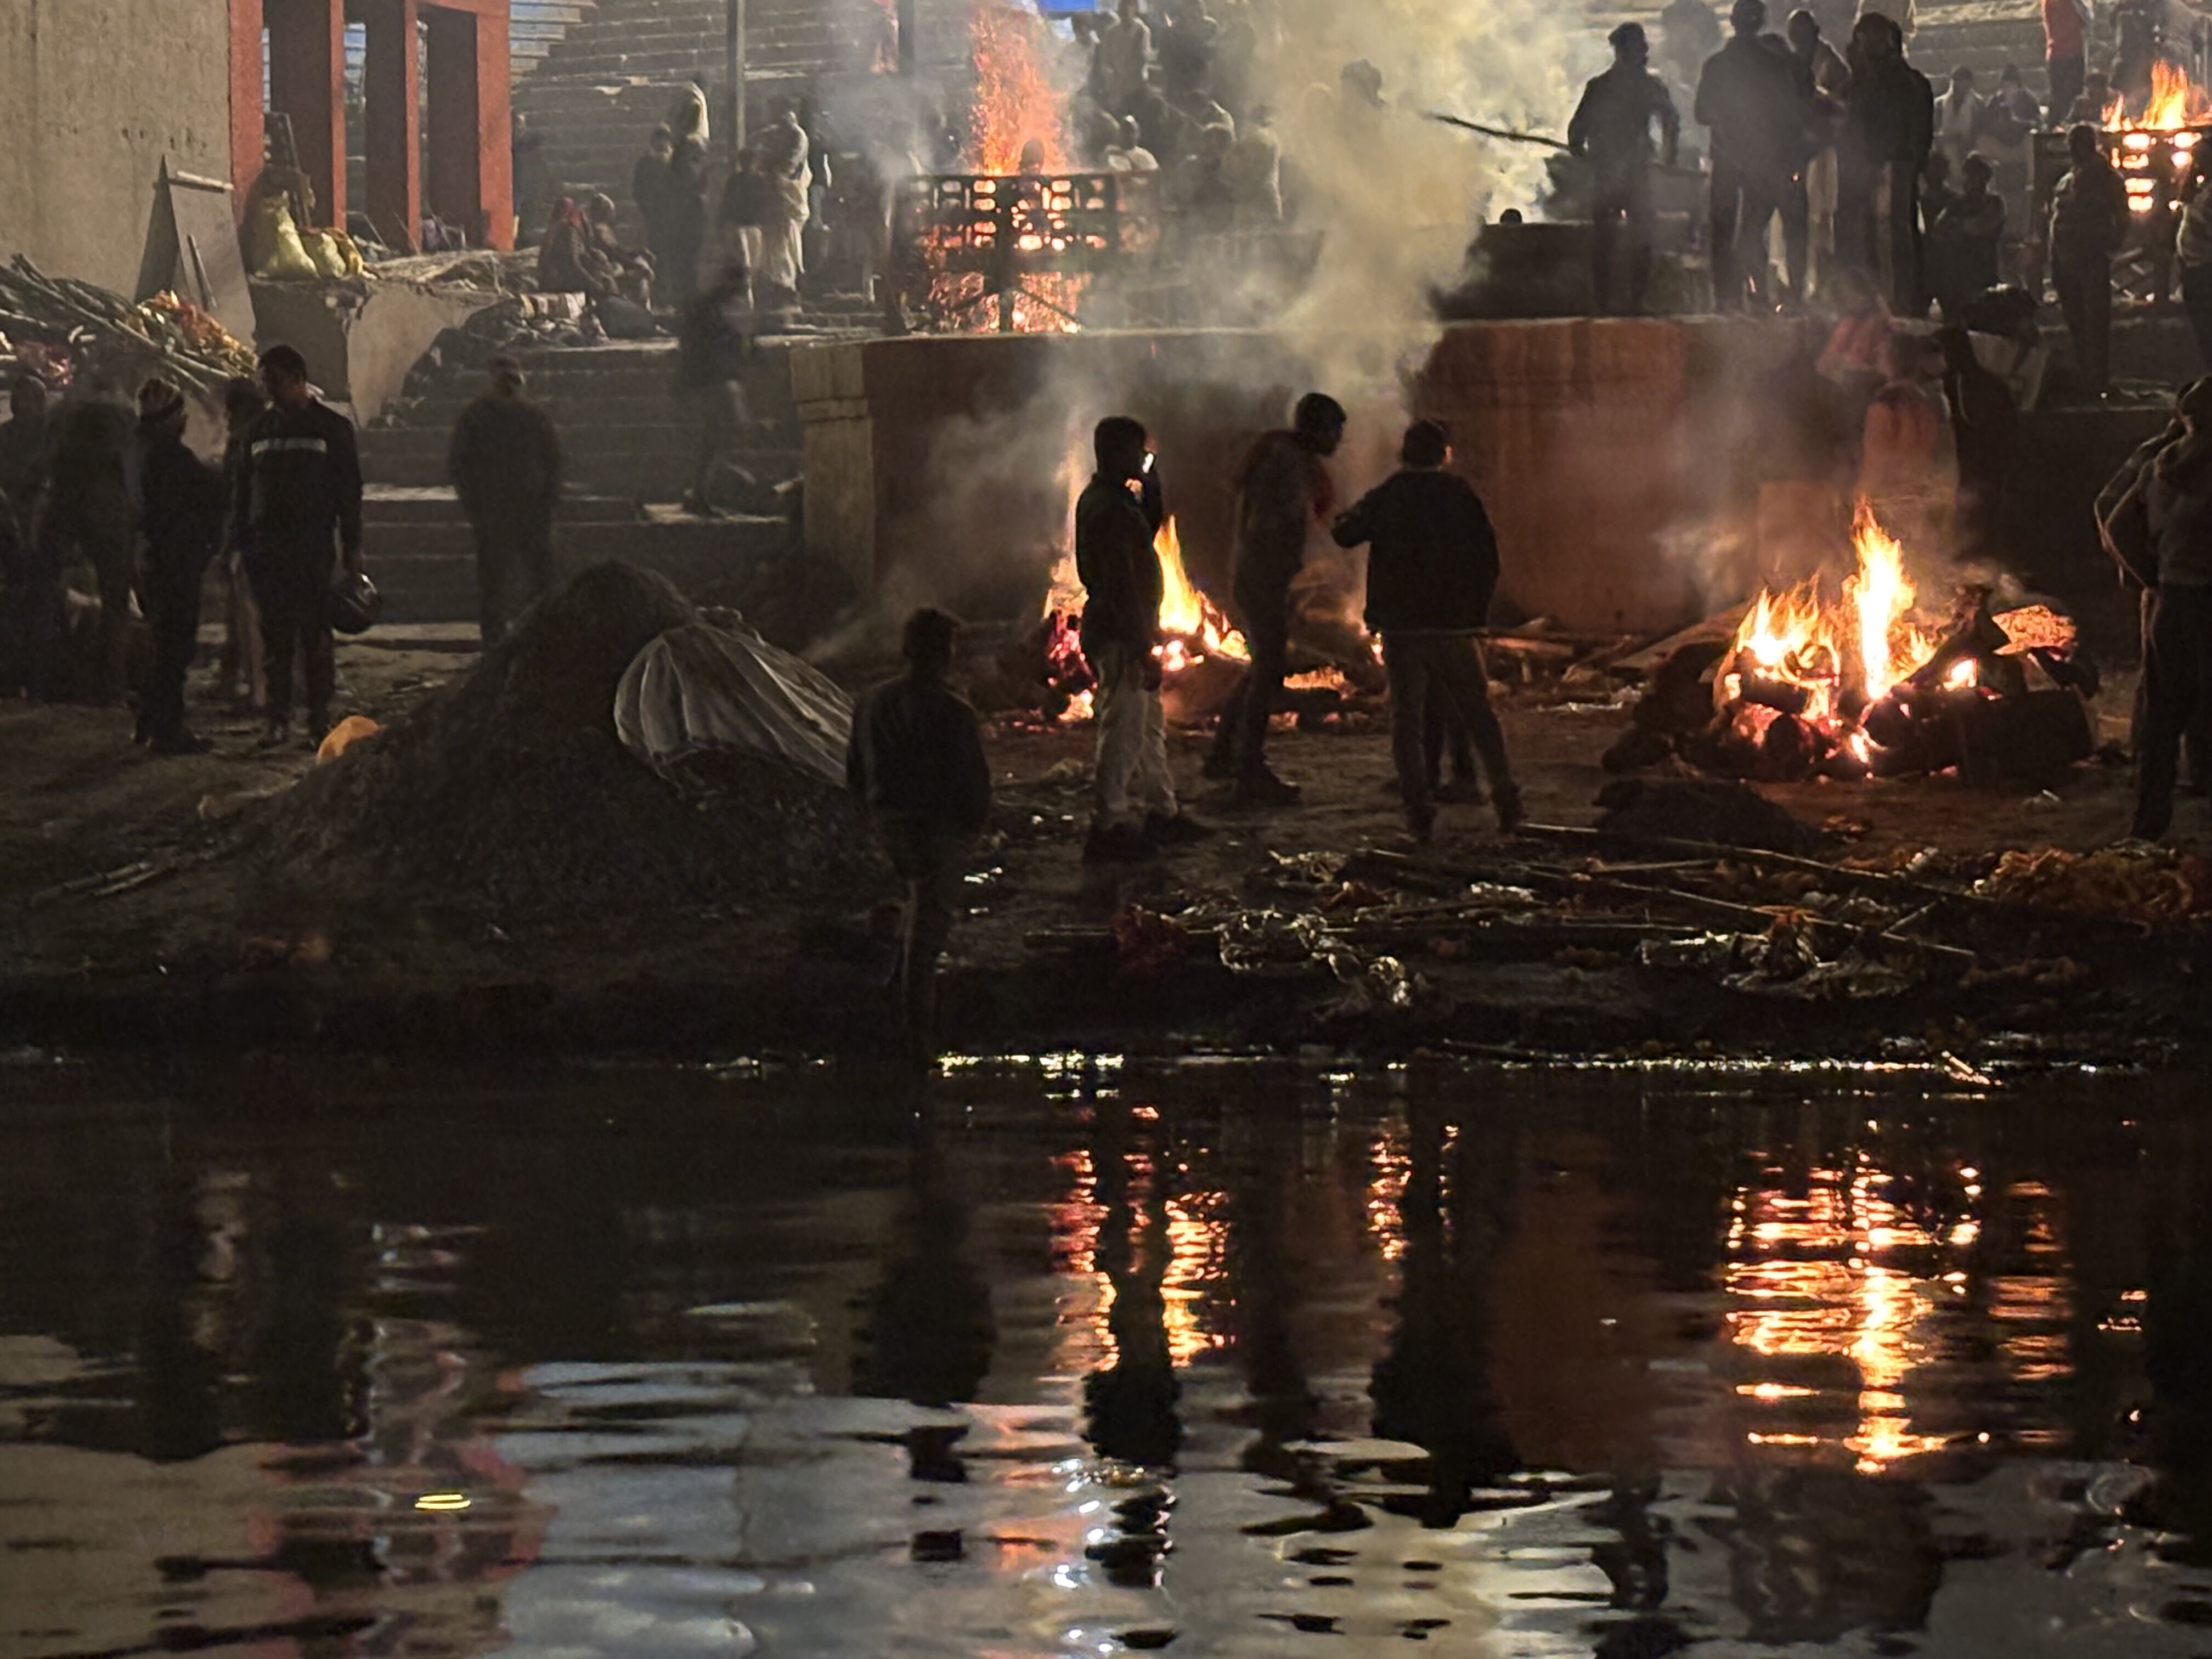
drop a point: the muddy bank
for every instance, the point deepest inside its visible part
(143, 915)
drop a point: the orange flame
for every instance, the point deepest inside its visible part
(1016, 103)
(1800, 639)
(2175, 102)
(1186, 612)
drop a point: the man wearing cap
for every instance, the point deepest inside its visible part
(505, 466)
(1432, 571)
(1282, 490)
(181, 514)
(1612, 130)
(298, 500)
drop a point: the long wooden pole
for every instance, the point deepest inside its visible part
(734, 68)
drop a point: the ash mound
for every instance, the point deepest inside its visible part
(509, 794)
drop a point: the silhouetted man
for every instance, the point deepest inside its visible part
(1282, 490)
(23, 443)
(298, 500)
(1116, 519)
(917, 764)
(1432, 571)
(1888, 134)
(1756, 99)
(1612, 130)
(505, 466)
(89, 510)
(2089, 222)
(183, 516)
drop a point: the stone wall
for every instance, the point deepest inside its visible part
(93, 95)
(1612, 455)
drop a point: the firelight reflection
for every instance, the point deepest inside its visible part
(1087, 1360)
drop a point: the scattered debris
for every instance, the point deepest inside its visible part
(2135, 884)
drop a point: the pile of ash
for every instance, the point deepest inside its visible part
(510, 796)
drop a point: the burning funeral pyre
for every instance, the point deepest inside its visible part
(1014, 245)
(1200, 647)
(1852, 679)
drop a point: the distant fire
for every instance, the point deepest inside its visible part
(2175, 102)
(1192, 626)
(1016, 103)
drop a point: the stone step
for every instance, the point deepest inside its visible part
(395, 506)
(430, 577)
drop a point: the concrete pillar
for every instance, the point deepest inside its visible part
(391, 121)
(246, 124)
(472, 165)
(307, 82)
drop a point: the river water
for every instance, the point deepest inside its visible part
(1069, 1358)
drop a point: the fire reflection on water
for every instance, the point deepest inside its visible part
(1840, 1270)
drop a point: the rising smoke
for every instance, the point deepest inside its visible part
(1396, 198)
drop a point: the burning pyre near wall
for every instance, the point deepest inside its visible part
(1853, 679)
(1198, 640)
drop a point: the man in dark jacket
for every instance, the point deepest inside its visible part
(23, 449)
(1431, 569)
(2175, 491)
(917, 764)
(1282, 489)
(1758, 101)
(1889, 132)
(298, 492)
(505, 466)
(1612, 129)
(183, 516)
(2089, 222)
(1116, 518)
(89, 511)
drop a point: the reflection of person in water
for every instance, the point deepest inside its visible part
(180, 1383)
(1263, 1290)
(1132, 1404)
(930, 1334)
(1432, 1388)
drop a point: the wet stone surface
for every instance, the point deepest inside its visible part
(1071, 1357)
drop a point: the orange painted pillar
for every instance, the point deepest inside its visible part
(392, 133)
(471, 167)
(246, 124)
(307, 82)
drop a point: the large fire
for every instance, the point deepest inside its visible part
(2175, 103)
(1016, 103)
(1855, 648)
(1192, 627)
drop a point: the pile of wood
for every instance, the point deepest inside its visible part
(74, 325)
(2002, 700)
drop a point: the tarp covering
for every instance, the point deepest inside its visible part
(705, 687)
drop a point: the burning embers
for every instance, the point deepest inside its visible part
(1194, 632)
(1853, 680)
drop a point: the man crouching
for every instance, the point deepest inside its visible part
(1431, 570)
(917, 763)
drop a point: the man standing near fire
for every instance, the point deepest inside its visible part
(1116, 519)
(1431, 572)
(1282, 491)
(1612, 129)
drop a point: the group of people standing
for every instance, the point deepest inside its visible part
(1833, 144)
(776, 194)
(129, 497)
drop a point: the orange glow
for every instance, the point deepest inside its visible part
(2175, 103)
(1015, 102)
(1186, 612)
(1870, 640)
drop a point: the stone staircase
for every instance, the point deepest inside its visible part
(615, 73)
(630, 445)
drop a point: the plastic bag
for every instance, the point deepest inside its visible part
(274, 250)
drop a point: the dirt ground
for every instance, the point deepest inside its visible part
(135, 918)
